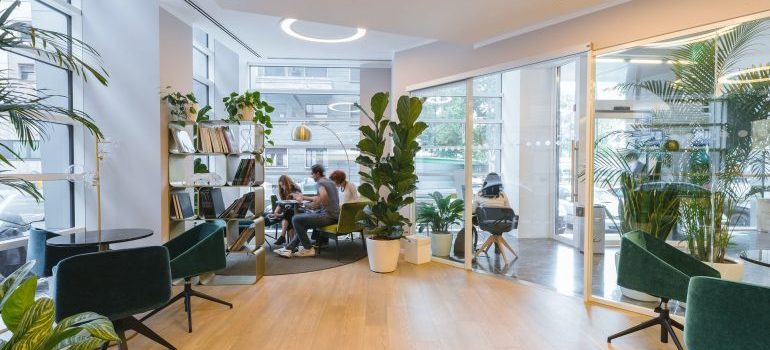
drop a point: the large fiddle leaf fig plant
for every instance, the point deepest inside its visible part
(27, 108)
(31, 321)
(390, 179)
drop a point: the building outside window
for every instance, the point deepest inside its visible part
(321, 97)
(27, 71)
(278, 157)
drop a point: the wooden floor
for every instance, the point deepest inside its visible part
(430, 306)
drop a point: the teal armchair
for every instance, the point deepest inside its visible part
(196, 251)
(346, 225)
(117, 284)
(652, 266)
(48, 256)
(724, 314)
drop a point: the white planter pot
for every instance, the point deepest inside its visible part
(440, 243)
(630, 293)
(383, 254)
(729, 271)
(247, 113)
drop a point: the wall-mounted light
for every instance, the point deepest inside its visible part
(286, 26)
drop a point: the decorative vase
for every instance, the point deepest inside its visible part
(383, 254)
(731, 271)
(630, 293)
(441, 243)
(247, 113)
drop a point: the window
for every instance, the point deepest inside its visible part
(279, 157)
(201, 92)
(355, 75)
(203, 61)
(316, 111)
(27, 71)
(45, 164)
(275, 71)
(200, 37)
(315, 156)
(315, 72)
(200, 64)
(296, 71)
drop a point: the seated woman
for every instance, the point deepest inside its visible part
(348, 190)
(286, 189)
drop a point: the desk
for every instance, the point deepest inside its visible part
(91, 238)
(759, 257)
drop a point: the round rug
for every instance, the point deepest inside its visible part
(350, 251)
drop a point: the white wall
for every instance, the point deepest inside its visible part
(628, 22)
(374, 80)
(126, 33)
(227, 70)
(175, 71)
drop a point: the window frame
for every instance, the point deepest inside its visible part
(285, 155)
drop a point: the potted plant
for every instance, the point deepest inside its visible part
(391, 178)
(438, 217)
(31, 321)
(249, 106)
(181, 107)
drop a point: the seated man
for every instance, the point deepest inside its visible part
(327, 211)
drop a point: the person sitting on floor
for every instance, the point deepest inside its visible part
(286, 190)
(347, 188)
(325, 211)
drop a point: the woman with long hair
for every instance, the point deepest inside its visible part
(286, 188)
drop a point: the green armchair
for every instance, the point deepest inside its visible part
(197, 251)
(650, 265)
(117, 284)
(48, 256)
(346, 225)
(723, 314)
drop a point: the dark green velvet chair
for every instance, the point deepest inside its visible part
(346, 225)
(199, 250)
(652, 266)
(117, 284)
(48, 256)
(724, 314)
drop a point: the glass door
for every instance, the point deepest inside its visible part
(566, 152)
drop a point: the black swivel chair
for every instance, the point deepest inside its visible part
(199, 250)
(116, 284)
(496, 221)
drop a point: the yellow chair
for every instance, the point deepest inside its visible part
(346, 225)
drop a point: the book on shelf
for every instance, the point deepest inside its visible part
(240, 207)
(181, 206)
(211, 204)
(242, 239)
(216, 140)
(244, 175)
(182, 141)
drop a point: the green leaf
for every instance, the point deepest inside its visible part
(379, 103)
(13, 281)
(35, 325)
(18, 302)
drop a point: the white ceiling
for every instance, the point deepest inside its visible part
(392, 25)
(263, 34)
(461, 21)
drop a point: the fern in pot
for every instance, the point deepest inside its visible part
(438, 217)
(389, 180)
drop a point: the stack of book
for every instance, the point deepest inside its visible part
(181, 206)
(217, 140)
(244, 175)
(243, 237)
(211, 204)
(239, 208)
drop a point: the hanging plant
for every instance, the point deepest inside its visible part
(249, 106)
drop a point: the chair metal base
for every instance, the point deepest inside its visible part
(499, 242)
(131, 323)
(663, 320)
(187, 294)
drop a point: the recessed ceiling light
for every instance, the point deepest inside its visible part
(335, 107)
(286, 26)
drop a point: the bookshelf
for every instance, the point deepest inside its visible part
(216, 172)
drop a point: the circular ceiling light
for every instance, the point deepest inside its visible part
(335, 107)
(286, 26)
(746, 76)
(438, 100)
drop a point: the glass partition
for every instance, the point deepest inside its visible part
(681, 141)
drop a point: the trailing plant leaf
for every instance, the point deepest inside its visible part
(236, 104)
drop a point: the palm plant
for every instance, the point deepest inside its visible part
(27, 109)
(440, 215)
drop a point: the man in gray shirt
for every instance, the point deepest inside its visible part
(327, 203)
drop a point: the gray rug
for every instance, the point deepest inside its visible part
(350, 251)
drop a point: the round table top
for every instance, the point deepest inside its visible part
(759, 257)
(91, 238)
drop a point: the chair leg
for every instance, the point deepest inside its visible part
(188, 306)
(363, 240)
(670, 330)
(337, 246)
(484, 246)
(198, 294)
(663, 320)
(677, 324)
(499, 247)
(153, 312)
(505, 244)
(133, 324)
(643, 325)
